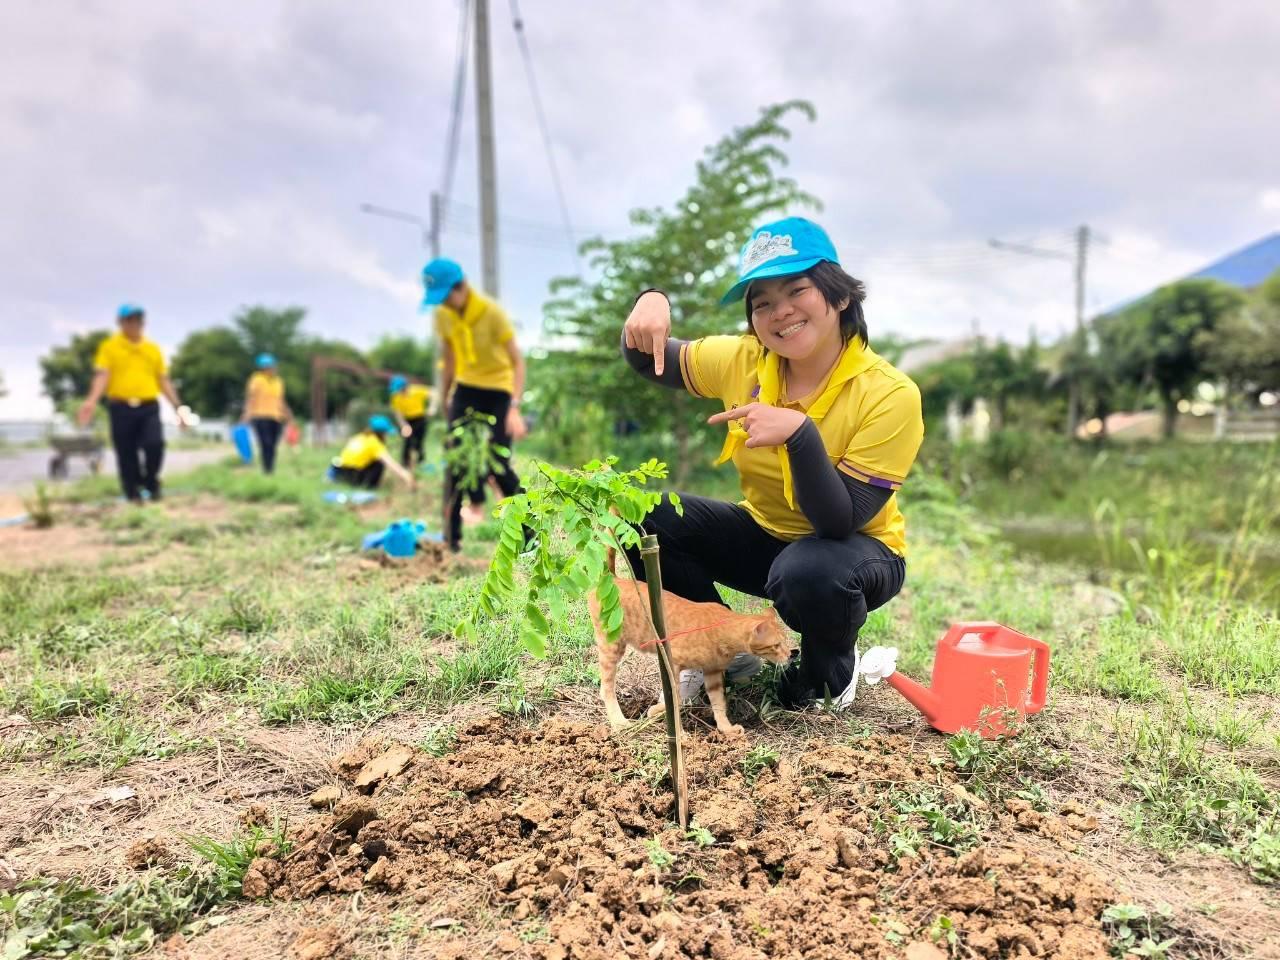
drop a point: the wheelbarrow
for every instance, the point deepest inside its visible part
(70, 445)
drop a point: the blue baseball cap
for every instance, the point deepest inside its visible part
(129, 310)
(438, 278)
(265, 360)
(397, 384)
(380, 424)
(781, 249)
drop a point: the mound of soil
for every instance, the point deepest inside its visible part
(555, 834)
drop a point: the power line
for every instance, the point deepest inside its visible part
(459, 97)
(523, 42)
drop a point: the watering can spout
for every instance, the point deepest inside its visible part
(881, 663)
(920, 697)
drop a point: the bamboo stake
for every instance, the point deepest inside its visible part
(670, 682)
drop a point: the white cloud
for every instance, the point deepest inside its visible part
(198, 158)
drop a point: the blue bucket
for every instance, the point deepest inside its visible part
(243, 441)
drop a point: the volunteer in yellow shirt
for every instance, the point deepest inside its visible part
(365, 456)
(483, 371)
(409, 404)
(822, 432)
(266, 408)
(129, 369)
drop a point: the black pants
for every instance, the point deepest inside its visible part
(413, 442)
(138, 439)
(268, 431)
(496, 403)
(823, 589)
(368, 477)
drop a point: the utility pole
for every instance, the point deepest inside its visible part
(1083, 237)
(488, 173)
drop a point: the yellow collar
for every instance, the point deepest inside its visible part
(854, 359)
(460, 330)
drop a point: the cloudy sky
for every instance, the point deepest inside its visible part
(195, 157)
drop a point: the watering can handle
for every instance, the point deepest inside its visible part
(1039, 675)
(981, 628)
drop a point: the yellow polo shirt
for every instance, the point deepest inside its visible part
(411, 402)
(266, 396)
(360, 451)
(133, 369)
(872, 431)
(479, 337)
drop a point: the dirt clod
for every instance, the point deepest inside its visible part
(318, 943)
(325, 798)
(256, 815)
(262, 876)
(147, 852)
(353, 813)
(387, 765)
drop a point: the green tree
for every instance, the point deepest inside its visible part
(689, 251)
(210, 368)
(66, 372)
(269, 330)
(405, 354)
(1160, 340)
(1244, 348)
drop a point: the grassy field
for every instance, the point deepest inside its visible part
(177, 680)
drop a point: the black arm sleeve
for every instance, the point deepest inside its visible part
(835, 504)
(642, 363)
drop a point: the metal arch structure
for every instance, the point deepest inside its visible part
(320, 368)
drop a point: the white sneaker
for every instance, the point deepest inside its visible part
(845, 700)
(690, 684)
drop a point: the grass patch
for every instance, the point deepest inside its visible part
(1118, 664)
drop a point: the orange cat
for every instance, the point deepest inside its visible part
(703, 636)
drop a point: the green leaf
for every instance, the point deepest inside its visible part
(536, 620)
(534, 642)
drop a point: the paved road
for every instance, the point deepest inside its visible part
(19, 469)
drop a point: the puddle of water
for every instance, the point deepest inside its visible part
(1077, 544)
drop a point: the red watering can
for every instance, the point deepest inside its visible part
(981, 676)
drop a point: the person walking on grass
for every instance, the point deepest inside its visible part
(409, 404)
(129, 370)
(822, 432)
(483, 371)
(266, 408)
(365, 456)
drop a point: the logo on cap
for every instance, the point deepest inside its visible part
(765, 247)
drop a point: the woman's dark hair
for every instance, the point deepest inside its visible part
(835, 286)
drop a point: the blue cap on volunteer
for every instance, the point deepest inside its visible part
(380, 424)
(438, 278)
(129, 310)
(265, 360)
(780, 249)
(397, 384)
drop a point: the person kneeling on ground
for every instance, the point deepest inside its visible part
(822, 432)
(365, 456)
(409, 404)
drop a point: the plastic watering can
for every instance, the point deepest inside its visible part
(986, 677)
(400, 539)
(243, 442)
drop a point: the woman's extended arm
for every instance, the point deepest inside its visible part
(647, 344)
